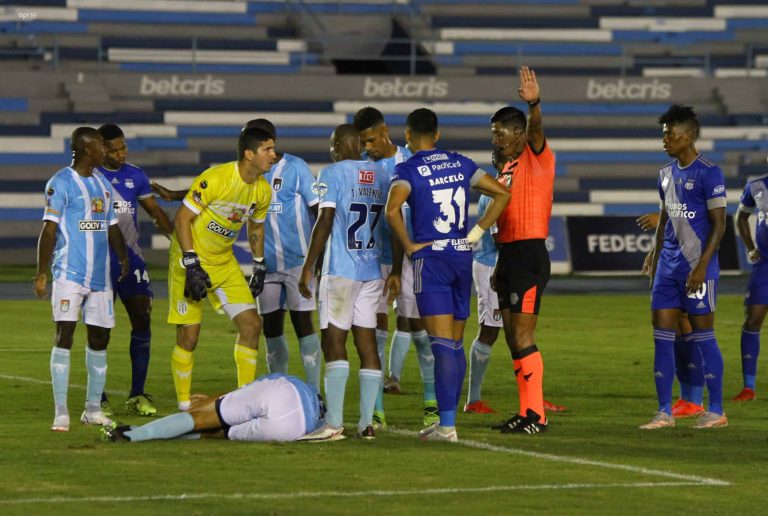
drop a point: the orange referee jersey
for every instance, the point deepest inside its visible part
(530, 180)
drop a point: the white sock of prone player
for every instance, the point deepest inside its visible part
(309, 347)
(168, 427)
(277, 354)
(370, 379)
(60, 379)
(96, 364)
(336, 374)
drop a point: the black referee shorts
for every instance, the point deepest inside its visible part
(522, 273)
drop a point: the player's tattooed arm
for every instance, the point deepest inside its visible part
(117, 243)
(256, 238)
(320, 234)
(45, 244)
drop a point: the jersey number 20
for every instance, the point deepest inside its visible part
(452, 207)
(363, 214)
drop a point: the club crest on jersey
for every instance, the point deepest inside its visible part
(689, 184)
(97, 205)
(319, 189)
(197, 197)
(181, 307)
(237, 215)
(129, 183)
(251, 209)
(64, 305)
(366, 177)
(277, 184)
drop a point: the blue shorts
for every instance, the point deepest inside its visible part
(670, 292)
(443, 284)
(136, 283)
(757, 288)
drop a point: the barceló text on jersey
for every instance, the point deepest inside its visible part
(367, 191)
(453, 178)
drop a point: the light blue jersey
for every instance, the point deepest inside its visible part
(289, 221)
(82, 208)
(485, 252)
(358, 191)
(401, 155)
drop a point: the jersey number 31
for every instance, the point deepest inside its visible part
(452, 207)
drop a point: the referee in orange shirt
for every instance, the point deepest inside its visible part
(523, 267)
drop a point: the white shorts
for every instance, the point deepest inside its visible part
(383, 307)
(487, 300)
(406, 301)
(265, 410)
(345, 302)
(281, 291)
(69, 299)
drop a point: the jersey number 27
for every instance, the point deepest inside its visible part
(363, 214)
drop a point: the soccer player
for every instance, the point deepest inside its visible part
(131, 188)
(291, 214)
(754, 198)
(352, 194)
(435, 184)
(377, 146)
(80, 223)
(689, 368)
(685, 269)
(276, 407)
(523, 267)
(202, 264)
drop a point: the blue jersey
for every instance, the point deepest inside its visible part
(358, 192)
(485, 252)
(289, 222)
(755, 198)
(130, 185)
(687, 195)
(439, 183)
(82, 209)
(401, 155)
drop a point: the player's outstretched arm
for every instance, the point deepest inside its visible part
(742, 224)
(320, 234)
(117, 243)
(158, 215)
(168, 195)
(530, 92)
(45, 244)
(499, 200)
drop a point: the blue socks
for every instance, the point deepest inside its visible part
(426, 363)
(336, 374)
(381, 345)
(96, 364)
(139, 351)
(713, 368)
(448, 377)
(664, 367)
(695, 366)
(398, 349)
(479, 356)
(309, 347)
(277, 355)
(165, 428)
(370, 380)
(681, 366)
(750, 349)
(60, 378)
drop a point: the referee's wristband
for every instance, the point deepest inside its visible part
(535, 102)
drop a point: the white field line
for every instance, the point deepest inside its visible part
(337, 494)
(581, 462)
(48, 382)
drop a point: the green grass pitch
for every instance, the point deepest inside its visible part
(598, 357)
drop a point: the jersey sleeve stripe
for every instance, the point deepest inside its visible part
(400, 182)
(51, 217)
(327, 204)
(145, 196)
(746, 209)
(313, 202)
(192, 207)
(716, 202)
(477, 176)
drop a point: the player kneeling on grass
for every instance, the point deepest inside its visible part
(276, 407)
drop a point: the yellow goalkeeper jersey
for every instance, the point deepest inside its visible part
(223, 202)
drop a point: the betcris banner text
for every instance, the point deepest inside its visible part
(617, 244)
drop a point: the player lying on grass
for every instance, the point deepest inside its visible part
(276, 407)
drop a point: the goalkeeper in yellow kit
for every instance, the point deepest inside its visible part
(202, 263)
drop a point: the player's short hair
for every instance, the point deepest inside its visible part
(250, 139)
(510, 117)
(422, 121)
(680, 114)
(263, 124)
(81, 136)
(110, 132)
(366, 118)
